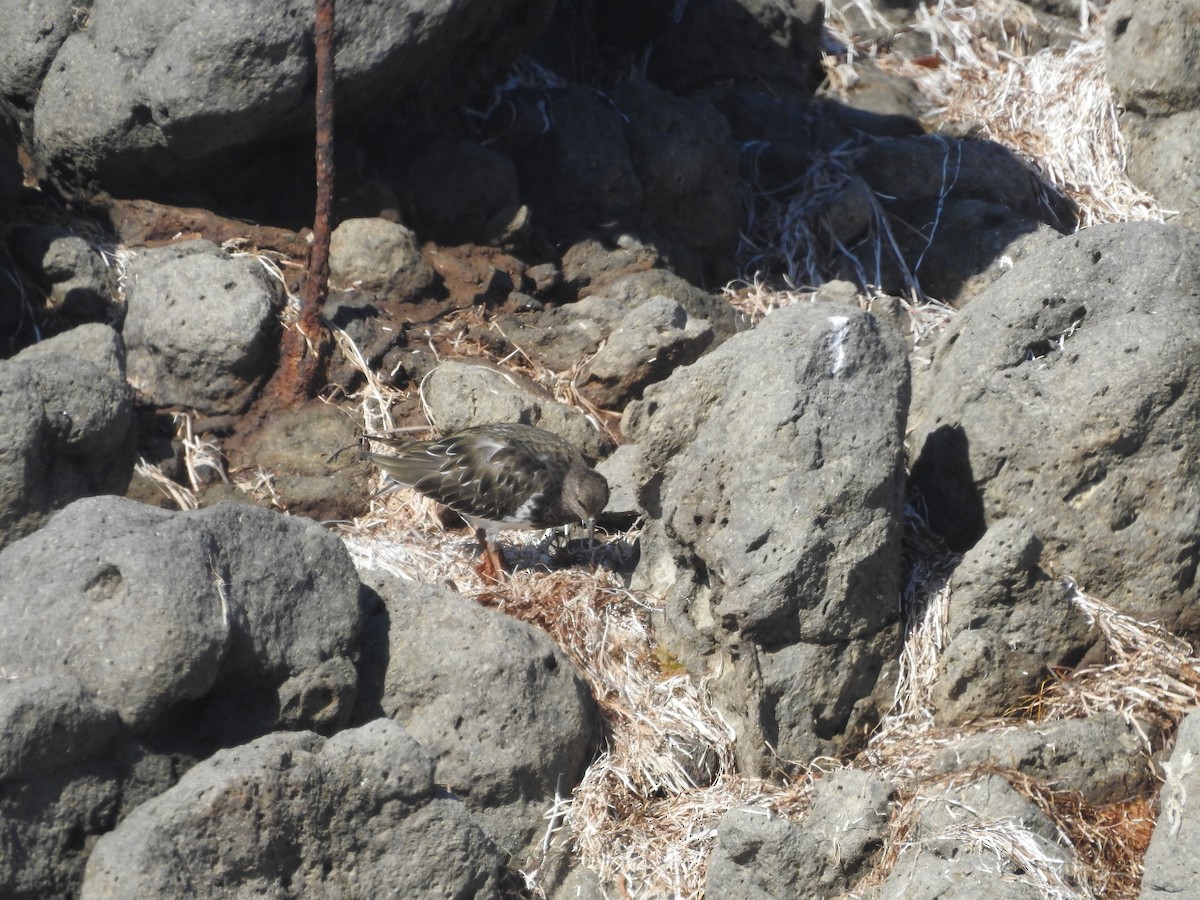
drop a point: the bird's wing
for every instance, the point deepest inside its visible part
(486, 478)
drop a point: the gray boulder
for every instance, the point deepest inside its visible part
(1073, 335)
(1103, 757)
(772, 481)
(1008, 623)
(357, 815)
(148, 90)
(164, 607)
(66, 426)
(1152, 61)
(200, 327)
(77, 281)
(949, 856)
(509, 722)
(759, 858)
(1172, 863)
(461, 394)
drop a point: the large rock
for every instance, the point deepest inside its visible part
(509, 722)
(66, 426)
(1103, 757)
(135, 642)
(759, 858)
(1172, 864)
(948, 853)
(1058, 397)
(66, 775)
(355, 815)
(1152, 61)
(200, 327)
(773, 483)
(1009, 623)
(147, 608)
(147, 90)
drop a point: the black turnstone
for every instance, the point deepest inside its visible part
(501, 476)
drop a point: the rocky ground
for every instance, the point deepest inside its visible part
(882, 322)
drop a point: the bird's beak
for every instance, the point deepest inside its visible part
(591, 528)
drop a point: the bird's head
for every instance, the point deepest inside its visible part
(585, 493)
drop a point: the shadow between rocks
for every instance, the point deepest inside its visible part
(943, 477)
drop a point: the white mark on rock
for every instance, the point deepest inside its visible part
(837, 343)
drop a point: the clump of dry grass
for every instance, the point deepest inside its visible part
(203, 464)
(1152, 675)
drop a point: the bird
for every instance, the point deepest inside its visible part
(504, 475)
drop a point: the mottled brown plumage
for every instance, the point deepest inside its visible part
(501, 476)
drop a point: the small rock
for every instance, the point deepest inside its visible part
(947, 854)
(1008, 623)
(49, 722)
(759, 858)
(312, 453)
(74, 274)
(463, 394)
(650, 342)
(200, 327)
(460, 187)
(379, 256)
(67, 426)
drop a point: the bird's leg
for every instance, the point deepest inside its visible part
(490, 564)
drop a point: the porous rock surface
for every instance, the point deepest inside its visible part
(772, 480)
